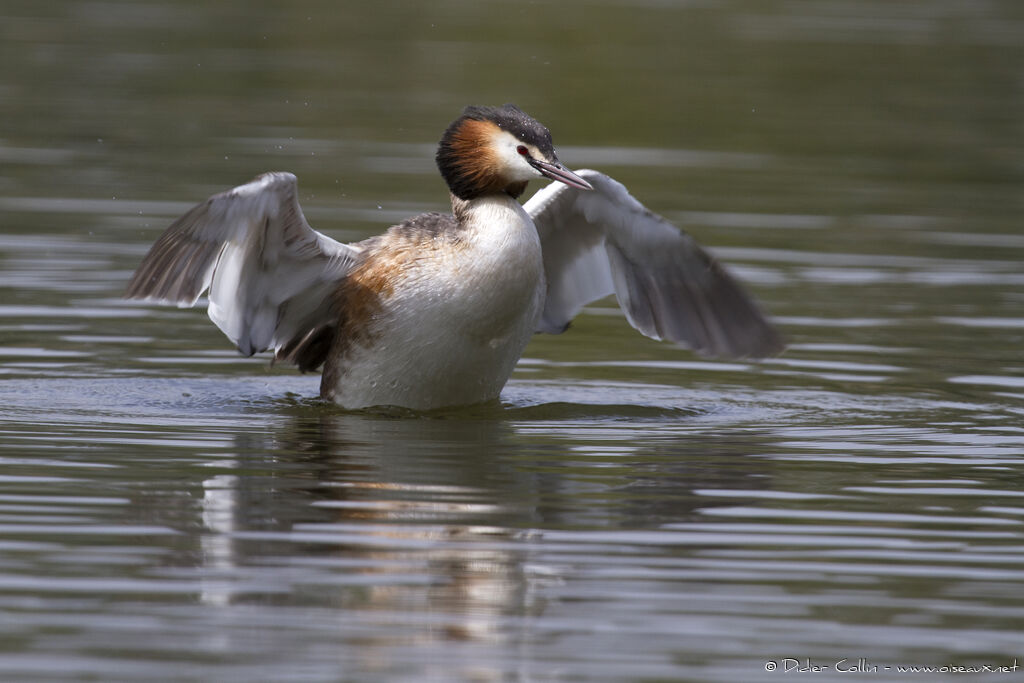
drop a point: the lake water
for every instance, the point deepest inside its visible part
(629, 512)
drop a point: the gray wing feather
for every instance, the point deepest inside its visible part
(268, 272)
(604, 241)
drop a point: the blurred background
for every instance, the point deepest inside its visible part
(170, 510)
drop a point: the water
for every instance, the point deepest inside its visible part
(172, 511)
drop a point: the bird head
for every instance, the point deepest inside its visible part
(491, 150)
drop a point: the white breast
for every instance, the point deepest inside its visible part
(455, 325)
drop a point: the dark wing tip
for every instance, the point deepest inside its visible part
(735, 321)
(683, 295)
(177, 267)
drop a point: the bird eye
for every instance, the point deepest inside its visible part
(523, 151)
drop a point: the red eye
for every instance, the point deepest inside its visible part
(523, 151)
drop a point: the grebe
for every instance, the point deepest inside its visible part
(436, 311)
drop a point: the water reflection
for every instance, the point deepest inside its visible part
(385, 516)
(437, 520)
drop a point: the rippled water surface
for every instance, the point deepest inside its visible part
(170, 510)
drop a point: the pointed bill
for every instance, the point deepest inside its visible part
(557, 171)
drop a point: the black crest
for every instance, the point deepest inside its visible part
(511, 118)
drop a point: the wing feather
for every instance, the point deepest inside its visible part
(576, 267)
(604, 241)
(269, 274)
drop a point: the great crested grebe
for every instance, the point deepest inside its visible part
(436, 311)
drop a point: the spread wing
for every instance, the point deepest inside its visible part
(269, 273)
(604, 241)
